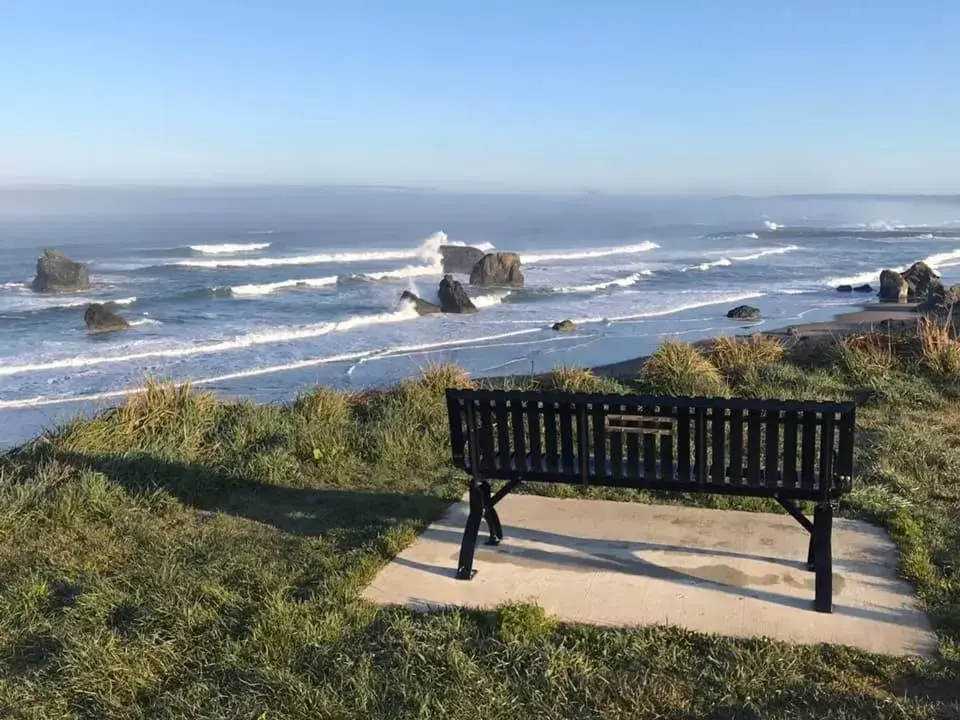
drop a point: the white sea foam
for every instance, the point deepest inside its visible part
(144, 321)
(726, 261)
(771, 225)
(752, 236)
(121, 301)
(619, 282)
(763, 253)
(268, 337)
(362, 356)
(429, 250)
(530, 258)
(947, 259)
(408, 271)
(267, 288)
(489, 300)
(870, 276)
(21, 299)
(229, 248)
(722, 262)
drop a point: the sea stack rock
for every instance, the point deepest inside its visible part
(421, 306)
(460, 259)
(920, 278)
(503, 269)
(941, 300)
(57, 273)
(744, 312)
(453, 298)
(893, 288)
(99, 319)
(565, 326)
(866, 288)
(845, 288)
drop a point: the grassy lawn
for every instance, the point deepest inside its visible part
(180, 557)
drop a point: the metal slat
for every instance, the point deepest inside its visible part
(684, 468)
(754, 446)
(808, 449)
(519, 436)
(718, 470)
(503, 433)
(736, 446)
(789, 471)
(567, 439)
(616, 447)
(534, 435)
(598, 417)
(771, 467)
(550, 435)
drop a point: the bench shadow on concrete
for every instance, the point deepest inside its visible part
(721, 578)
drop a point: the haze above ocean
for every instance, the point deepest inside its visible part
(264, 292)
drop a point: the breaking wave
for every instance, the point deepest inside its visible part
(671, 311)
(725, 261)
(587, 254)
(268, 337)
(229, 248)
(620, 282)
(429, 250)
(267, 288)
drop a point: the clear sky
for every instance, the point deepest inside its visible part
(614, 95)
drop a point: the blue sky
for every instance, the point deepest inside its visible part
(613, 95)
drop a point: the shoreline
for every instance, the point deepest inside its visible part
(899, 316)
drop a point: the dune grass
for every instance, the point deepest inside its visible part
(180, 557)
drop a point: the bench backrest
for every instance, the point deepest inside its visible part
(801, 450)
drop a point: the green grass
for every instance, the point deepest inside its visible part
(185, 558)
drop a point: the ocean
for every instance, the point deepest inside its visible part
(265, 292)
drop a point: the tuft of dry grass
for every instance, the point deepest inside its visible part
(941, 349)
(437, 377)
(867, 358)
(735, 356)
(573, 379)
(679, 369)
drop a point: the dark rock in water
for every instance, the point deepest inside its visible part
(867, 288)
(845, 288)
(99, 319)
(941, 300)
(453, 298)
(744, 312)
(57, 273)
(421, 306)
(498, 269)
(893, 288)
(565, 326)
(460, 259)
(919, 277)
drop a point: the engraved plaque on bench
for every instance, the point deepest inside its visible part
(641, 425)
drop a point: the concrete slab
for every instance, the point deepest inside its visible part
(623, 564)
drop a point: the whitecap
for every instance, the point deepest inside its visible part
(229, 248)
(588, 254)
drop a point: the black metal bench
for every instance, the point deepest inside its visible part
(785, 450)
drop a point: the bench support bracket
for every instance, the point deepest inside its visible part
(819, 551)
(482, 503)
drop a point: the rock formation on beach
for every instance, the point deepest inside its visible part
(844, 288)
(914, 284)
(460, 258)
(744, 312)
(565, 326)
(419, 304)
(866, 288)
(941, 300)
(56, 273)
(502, 268)
(99, 319)
(893, 288)
(920, 279)
(453, 298)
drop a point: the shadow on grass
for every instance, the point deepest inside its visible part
(303, 511)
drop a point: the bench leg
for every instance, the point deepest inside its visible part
(465, 569)
(490, 513)
(823, 557)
